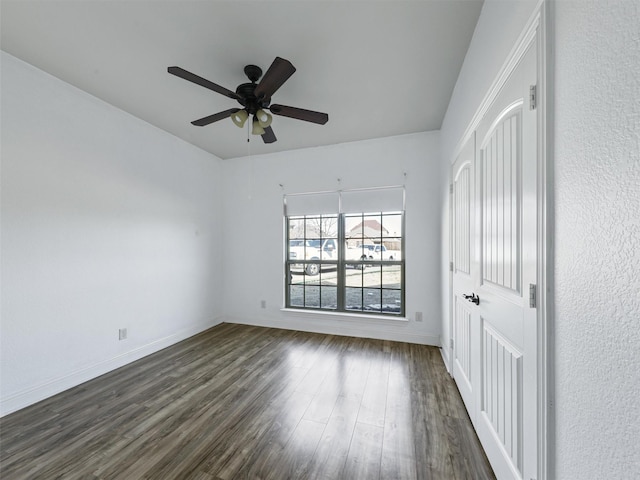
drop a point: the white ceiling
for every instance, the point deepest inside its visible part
(378, 68)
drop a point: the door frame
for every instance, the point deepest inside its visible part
(539, 29)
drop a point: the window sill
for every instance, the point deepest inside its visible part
(345, 315)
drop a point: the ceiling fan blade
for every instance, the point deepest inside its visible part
(201, 122)
(300, 114)
(268, 136)
(203, 82)
(278, 73)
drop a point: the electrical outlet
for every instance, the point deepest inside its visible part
(263, 304)
(122, 334)
(418, 316)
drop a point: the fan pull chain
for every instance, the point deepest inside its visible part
(251, 173)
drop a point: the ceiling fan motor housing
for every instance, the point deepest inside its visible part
(248, 98)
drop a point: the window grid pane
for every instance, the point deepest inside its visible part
(359, 255)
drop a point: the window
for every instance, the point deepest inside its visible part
(374, 283)
(345, 262)
(313, 261)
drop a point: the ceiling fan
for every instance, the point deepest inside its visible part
(255, 98)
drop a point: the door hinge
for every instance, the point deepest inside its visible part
(451, 188)
(451, 343)
(533, 97)
(451, 266)
(532, 295)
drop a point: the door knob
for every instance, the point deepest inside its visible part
(473, 298)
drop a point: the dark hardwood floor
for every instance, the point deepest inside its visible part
(241, 402)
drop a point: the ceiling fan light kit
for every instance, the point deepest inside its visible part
(264, 118)
(257, 128)
(240, 118)
(255, 98)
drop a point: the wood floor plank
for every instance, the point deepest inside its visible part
(374, 398)
(466, 450)
(294, 458)
(258, 464)
(331, 455)
(363, 459)
(246, 433)
(398, 452)
(194, 448)
(243, 402)
(328, 379)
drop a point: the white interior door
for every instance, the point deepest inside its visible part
(465, 332)
(494, 222)
(506, 221)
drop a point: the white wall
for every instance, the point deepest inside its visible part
(253, 219)
(107, 223)
(597, 269)
(496, 33)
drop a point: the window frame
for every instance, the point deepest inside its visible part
(341, 263)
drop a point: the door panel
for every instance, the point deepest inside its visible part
(462, 206)
(462, 340)
(501, 198)
(502, 392)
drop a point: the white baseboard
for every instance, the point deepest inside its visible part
(54, 386)
(348, 329)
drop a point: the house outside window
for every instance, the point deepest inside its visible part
(343, 260)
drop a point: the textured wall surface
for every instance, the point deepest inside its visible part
(597, 239)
